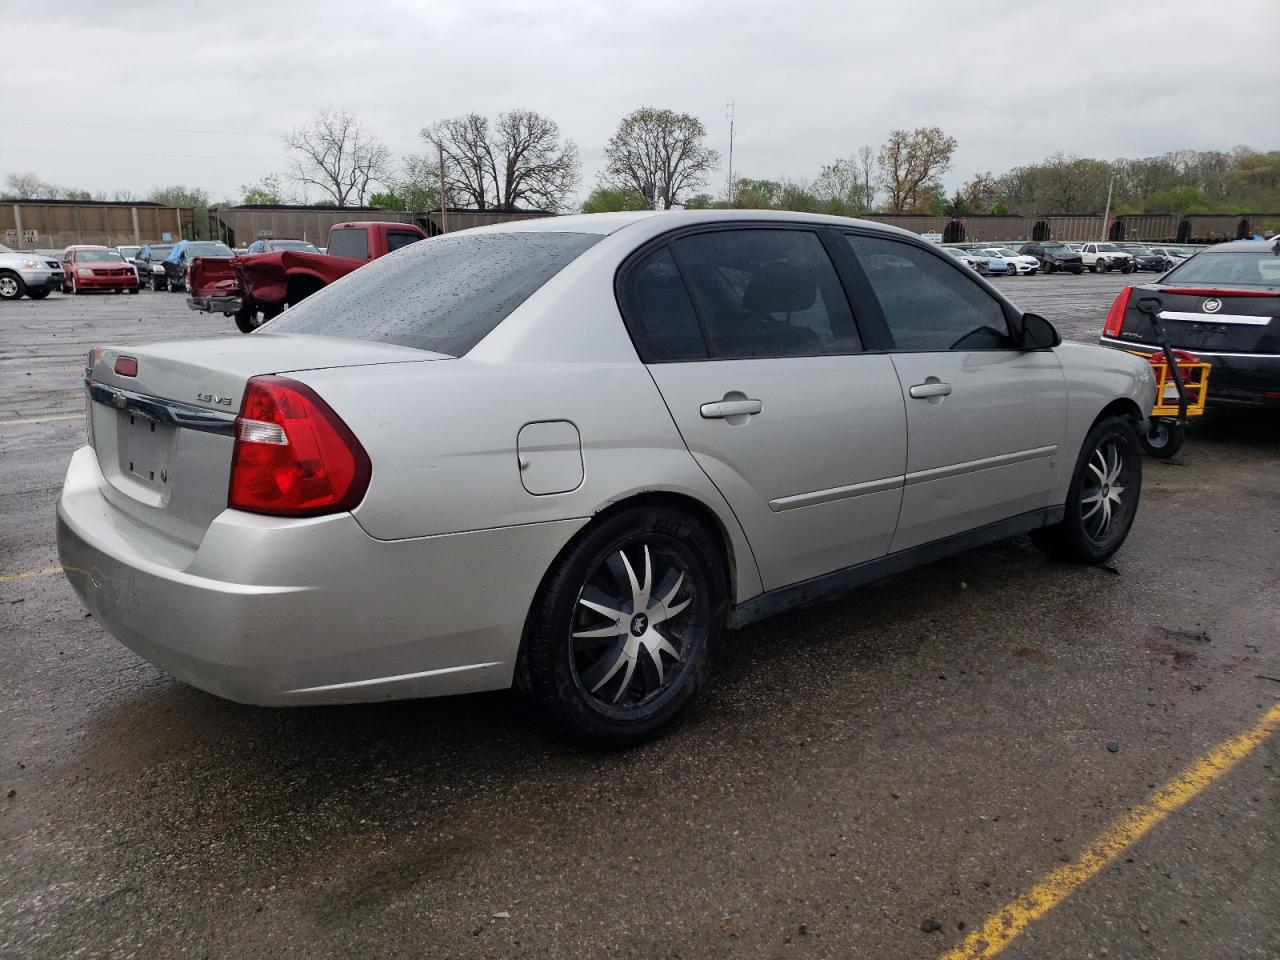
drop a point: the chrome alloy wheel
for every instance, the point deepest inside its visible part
(8, 288)
(1102, 495)
(634, 616)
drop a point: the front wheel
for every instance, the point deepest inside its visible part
(39, 294)
(247, 320)
(1163, 438)
(625, 626)
(1102, 499)
(11, 286)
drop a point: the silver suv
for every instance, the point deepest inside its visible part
(25, 273)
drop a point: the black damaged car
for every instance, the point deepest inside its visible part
(1054, 257)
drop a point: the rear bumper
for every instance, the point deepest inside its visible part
(1252, 378)
(215, 304)
(280, 612)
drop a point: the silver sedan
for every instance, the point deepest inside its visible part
(571, 453)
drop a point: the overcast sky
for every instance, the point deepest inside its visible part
(106, 96)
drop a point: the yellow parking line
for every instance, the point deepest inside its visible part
(10, 577)
(999, 929)
(24, 422)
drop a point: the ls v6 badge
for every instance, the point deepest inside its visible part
(213, 398)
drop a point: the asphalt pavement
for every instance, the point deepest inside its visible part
(872, 776)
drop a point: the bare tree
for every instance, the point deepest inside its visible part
(866, 164)
(536, 167)
(658, 153)
(335, 154)
(910, 160)
(518, 161)
(28, 186)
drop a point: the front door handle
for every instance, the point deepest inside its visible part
(723, 409)
(930, 388)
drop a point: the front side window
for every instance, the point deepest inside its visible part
(928, 304)
(401, 238)
(766, 293)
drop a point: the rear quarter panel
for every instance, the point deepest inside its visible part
(1096, 377)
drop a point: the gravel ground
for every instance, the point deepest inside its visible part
(924, 748)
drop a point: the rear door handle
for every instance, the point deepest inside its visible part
(721, 409)
(932, 388)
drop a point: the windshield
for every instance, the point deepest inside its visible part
(442, 295)
(292, 245)
(1141, 251)
(1243, 269)
(159, 253)
(209, 250)
(1057, 248)
(1006, 252)
(98, 256)
(128, 251)
(1108, 248)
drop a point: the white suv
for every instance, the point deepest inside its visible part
(1101, 257)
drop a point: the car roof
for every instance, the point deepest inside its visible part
(1245, 246)
(664, 220)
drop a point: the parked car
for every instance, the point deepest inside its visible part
(177, 264)
(1144, 258)
(1054, 257)
(88, 268)
(23, 273)
(1223, 305)
(975, 263)
(540, 453)
(276, 246)
(129, 251)
(997, 263)
(1172, 255)
(1102, 257)
(253, 289)
(1019, 263)
(150, 264)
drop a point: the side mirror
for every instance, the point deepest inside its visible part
(1038, 333)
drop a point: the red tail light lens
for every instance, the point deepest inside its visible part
(293, 456)
(1115, 316)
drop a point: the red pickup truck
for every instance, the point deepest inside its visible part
(256, 287)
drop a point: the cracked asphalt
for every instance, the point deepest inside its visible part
(924, 748)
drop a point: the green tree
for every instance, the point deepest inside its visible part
(658, 153)
(910, 161)
(612, 199)
(180, 195)
(266, 192)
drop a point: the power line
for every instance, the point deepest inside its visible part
(148, 153)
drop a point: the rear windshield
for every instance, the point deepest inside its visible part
(442, 295)
(209, 250)
(1242, 269)
(292, 245)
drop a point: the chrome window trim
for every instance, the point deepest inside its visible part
(173, 412)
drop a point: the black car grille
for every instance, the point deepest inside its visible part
(53, 263)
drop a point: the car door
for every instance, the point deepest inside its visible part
(749, 335)
(984, 418)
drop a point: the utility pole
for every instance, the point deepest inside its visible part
(1106, 216)
(728, 112)
(444, 205)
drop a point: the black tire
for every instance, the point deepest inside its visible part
(1077, 270)
(75, 290)
(1095, 268)
(172, 285)
(1048, 268)
(1127, 268)
(157, 285)
(1079, 537)
(247, 320)
(621, 696)
(1163, 438)
(39, 294)
(134, 289)
(11, 286)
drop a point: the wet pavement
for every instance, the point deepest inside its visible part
(924, 748)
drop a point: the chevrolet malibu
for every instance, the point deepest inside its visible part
(568, 454)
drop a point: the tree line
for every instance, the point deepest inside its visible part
(519, 159)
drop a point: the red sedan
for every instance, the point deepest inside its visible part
(97, 268)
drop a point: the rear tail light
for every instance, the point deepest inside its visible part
(1115, 316)
(126, 366)
(293, 456)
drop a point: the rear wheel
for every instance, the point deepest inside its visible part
(39, 294)
(1048, 268)
(624, 629)
(1102, 499)
(247, 320)
(1163, 438)
(11, 286)
(157, 285)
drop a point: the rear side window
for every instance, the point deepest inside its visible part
(766, 293)
(928, 304)
(352, 242)
(442, 295)
(400, 238)
(660, 314)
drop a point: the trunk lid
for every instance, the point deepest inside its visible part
(163, 438)
(1214, 319)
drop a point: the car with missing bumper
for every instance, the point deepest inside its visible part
(23, 273)
(570, 454)
(1054, 257)
(1222, 306)
(1104, 257)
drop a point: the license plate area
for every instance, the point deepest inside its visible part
(144, 452)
